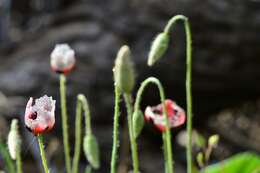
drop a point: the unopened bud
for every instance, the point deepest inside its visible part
(158, 48)
(91, 150)
(138, 122)
(124, 74)
(213, 140)
(14, 140)
(63, 59)
(200, 159)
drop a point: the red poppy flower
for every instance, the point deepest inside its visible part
(176, 115)
(39, 118)
(63, 59)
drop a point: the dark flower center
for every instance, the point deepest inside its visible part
(33, 116)
(156, 111)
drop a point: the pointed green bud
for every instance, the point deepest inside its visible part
(138, 122)
(200, 159)
(124, 74)
(14, 140)
(91, 150)
(213, 140)
(158, 48)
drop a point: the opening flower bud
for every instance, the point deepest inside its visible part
(138, 122)
(213, 140)
(14, 140)
(91, 150)
(158, 48)
(124, 74)
(176, 115)
(40, 117)
(62, 59)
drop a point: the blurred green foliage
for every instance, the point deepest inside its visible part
(241, 163)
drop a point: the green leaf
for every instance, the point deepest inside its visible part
(241, 163)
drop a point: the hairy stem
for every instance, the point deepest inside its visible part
(19, 161)
(115, 131)
(75, 162)
(167, 29)
(64, 118)
(43, 156)
(167, 135)
(128, 101)
(82, 103)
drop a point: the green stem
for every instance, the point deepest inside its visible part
(165, 153)
(75, 162)
(19, 161)
(43, 156)
(115, 131)
(5, 154)
(85, 107)
(64, 118)
(167, 29)
(82, 103)
(128, 101)
(168, 156)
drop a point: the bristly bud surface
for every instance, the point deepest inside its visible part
(138, 122)
(158, 48)
(14, 139)
(91, 150)
(124, 74)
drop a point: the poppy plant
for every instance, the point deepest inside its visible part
(176, 115)
(63, 59)
(40, 118)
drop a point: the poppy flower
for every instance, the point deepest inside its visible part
(63, 59)
(176, 115)
(40, 118)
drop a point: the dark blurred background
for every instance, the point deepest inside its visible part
(226, 73)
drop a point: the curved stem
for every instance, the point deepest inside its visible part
(43, 156)
(167, 29)
(82, 103)
(19, 161)
(115, 131)
(64, 118)
(85, 107)
(128, 101)
(76, 156)
(168, 157)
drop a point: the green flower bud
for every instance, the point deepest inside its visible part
(124, 74)
(138, 122)
(158, 48)
(14, 140)
(213, 140)
(91, 150)
(200, 159)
